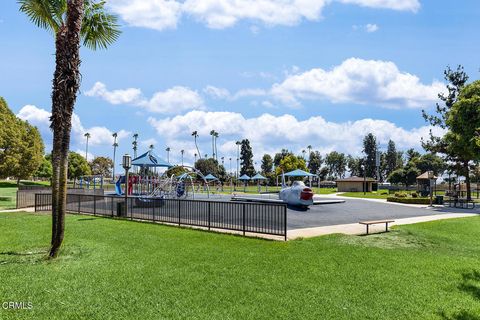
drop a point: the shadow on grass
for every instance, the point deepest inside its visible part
(471, 286)
(87, 219)
(23, 257)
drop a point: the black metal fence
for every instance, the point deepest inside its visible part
(26, 196)
(245, 217)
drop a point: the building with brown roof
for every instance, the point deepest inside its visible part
(356, 184)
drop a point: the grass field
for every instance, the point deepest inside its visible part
(114, 269)
(370, 195)
(8, 189)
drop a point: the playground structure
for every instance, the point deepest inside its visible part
(86, 182)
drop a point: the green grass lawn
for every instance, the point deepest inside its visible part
(370, 195)
(114, 269)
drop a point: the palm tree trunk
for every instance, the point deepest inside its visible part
(198, 150)
(467, 181)
(65, 87)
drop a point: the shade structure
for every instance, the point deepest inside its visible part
(150, 159)
(258, 176)
(244, 177)
(210, 177)
(299, 173)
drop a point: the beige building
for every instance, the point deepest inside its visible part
(356, 184)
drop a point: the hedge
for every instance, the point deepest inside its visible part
(410, 200)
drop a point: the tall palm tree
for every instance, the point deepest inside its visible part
(215, 135)
(195, 136)
(86, 135)
(135, 145)
(212, 133)
(114, 145)
(303, 153)
(70, 21)
(168, 154)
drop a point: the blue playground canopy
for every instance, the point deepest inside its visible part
(244, 177)
(299, 173)
(258, 176)
(210, 177)
(150, 159)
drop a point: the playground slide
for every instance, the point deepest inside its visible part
(118, 186)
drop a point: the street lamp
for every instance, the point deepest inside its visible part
(126, 164)
(431, 179)
(364, 179)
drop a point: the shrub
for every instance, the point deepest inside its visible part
(409, 200)
(400, 195)
(414, 195)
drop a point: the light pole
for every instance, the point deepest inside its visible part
(431, 179)
(126, 164)
(364, 179)
(168, 154)
(182, 152)
(115, 145)
(238, 143)
(195, 155)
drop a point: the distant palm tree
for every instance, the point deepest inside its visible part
(151, 147)
(115, 145)
(195, 136)
(69, 21)
(86, 135)
(168, 154)
(303, 153)
(215, 135)
(135, 145)
(182, 152)
(212, 133)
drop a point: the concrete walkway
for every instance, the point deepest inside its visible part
(19, 210)
(357, 229)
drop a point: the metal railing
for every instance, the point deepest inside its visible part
(261, 218)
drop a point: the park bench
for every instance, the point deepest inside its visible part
(369, 223)
(461, 203)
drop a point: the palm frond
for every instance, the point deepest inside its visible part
(99, 28)
(46, 14)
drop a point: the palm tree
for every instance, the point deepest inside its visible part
(303, 153)
(114, 145)
(135, 145)
(86, 135)
(195, 162)
(151, 147)
(168, 154)
(69, 21)
(195, 136)
(212, 133)
(215, 135)
(182, 152)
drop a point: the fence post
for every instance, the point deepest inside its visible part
(16, 203)
(35, 201)
(111, 204)
(285, 220)
(153, 212)
(94, 205)
(209, 215)
(179, 218)
(131, 207)
(78, 197)
(244, 219)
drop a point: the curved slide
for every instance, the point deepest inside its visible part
(118, 186)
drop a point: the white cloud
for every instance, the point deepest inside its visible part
(217, 93)
(359, 81)
(219, 14)
(269, 133)
(41, 118)
(147, 142)
(173, 100)
(401, 5)
(371, 27)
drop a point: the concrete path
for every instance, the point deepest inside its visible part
(357, 229)
(19, 210)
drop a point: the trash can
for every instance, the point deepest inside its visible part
(120, 209)
(439, 199)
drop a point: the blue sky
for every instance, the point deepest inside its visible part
(284, 74)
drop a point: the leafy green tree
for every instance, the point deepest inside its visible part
(460, 120)
(314, 162)
(397, 176)
(210, 166)
(390, 158)
(354, 165)
(31, 151)
(77, 166)
(101, 166)
(10, 141)
(323, 173)
(430, 162)
(279, 156)
(290, 163)
(412, 154)
(336, 163)
(69, 21)
(45, 169)
(267, 164)
(246, 157)
(370, 150)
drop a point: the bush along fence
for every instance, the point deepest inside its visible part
(245, 217)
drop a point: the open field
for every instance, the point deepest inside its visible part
(8, 189)
(371, 195)
(114, 269)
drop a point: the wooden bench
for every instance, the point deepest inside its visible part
(368, 223)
